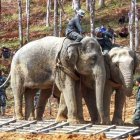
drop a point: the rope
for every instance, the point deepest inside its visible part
(53, 87)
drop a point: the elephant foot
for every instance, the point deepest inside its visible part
(31, 119)
(75, 121)
(61, 118)
(39, 118)
(20, 117)
(117, 121)
(106, 121)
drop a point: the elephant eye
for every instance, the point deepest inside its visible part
(94, 57)
(117, 64)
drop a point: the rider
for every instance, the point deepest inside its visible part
(104, 39)
(74, 29)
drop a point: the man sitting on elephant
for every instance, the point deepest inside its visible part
(74, 30)
(104, 39)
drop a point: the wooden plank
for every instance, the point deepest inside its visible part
(21, 126)
(124, 133)
(105, 129)
(7, 122)
(53, 128)
(79, 128)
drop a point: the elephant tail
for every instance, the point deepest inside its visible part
(8, 78)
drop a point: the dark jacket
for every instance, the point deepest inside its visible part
(138, 97)
(74, 25)
(105, 41)
(2, 80)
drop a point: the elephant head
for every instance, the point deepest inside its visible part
(122, 66)
(88, 61)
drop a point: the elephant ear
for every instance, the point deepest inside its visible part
(107, 65)
(72, 52)
(135, 56)
(136, 60)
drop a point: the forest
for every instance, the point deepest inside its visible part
(23, 21)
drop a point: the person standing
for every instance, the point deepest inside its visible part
(3, 96)
(136, 116)
(74, 29)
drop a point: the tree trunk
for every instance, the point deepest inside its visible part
(92, 17)
(101, 3)
(131, 23)
(48, 13)
(20, 23)
(88, 5)
(136, 27)
(28, 19)
(60, 23)
(55, 18)
(0, 10)
(76, 4)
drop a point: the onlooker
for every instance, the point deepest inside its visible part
(113, 34)
(121, 20)
(3, 96)
(6, 52)
(136, 117)
(124, 32)
(74, 29)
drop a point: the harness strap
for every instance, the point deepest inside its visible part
(67, 71)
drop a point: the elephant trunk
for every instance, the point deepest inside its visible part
(100, 83)
(127, 79)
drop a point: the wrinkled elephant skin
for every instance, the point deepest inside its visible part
(33, 67)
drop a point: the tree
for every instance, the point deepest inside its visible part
(20, 23)
(76, 4)
(136, 27)
(131, 22)
(60, 23)
(101, 3)
(88, 5)
(28, 19)
(48, 13)
(55, 18)
(92, 17)
(0, 10)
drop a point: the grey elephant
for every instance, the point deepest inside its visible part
(41, 63)
(120, 63)
(120, 66)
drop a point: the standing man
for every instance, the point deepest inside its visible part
(136, 117)
(3, 96)
(74, 29)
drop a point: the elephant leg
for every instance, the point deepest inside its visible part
(107, 101)
(43, 98)
(29, 104)
(18, 96)
(119, 103)
(90, 100)
(62, 111)
(79, 93)
(67, 87)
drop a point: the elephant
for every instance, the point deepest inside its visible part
(120, 64)
(41, 63)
